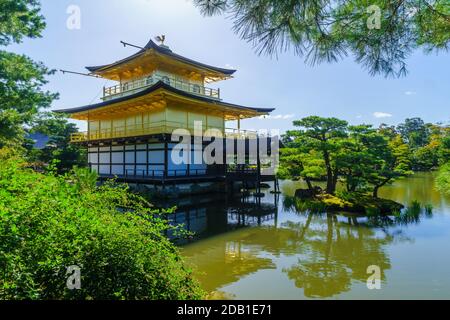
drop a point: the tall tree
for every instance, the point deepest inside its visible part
(21, 79)
(322, 135)
(296, 163)
(414, 132)
(394, 163)
(361, 156)
(380, 34)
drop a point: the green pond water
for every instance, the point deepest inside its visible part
(271, 250)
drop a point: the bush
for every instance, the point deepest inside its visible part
(443, 179)
(48, 223)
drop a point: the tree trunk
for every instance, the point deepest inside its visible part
(378, 186)
(308, 182)
(326, 158)
(334, 178)
(375, 191)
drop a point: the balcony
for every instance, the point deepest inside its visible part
(132, 87)
(152, 128)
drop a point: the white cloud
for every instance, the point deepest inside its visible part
(382, 115)
(278, 117)
(410, 93)
(359, 116)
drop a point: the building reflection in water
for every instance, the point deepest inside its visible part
(211, 215)
(322, 254)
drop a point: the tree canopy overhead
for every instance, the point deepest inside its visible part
(19, 19)
(21, 79)
(379, 34)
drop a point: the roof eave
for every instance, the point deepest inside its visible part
(157, 86)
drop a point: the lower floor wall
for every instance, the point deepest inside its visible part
(148, 159)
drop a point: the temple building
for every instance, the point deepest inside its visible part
(157, 92)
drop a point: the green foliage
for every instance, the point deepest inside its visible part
(327, 30)
(319, 140)
(11, 129)
(21, 79)
(429, 144)
(443, 179)
(48, 223)
(18, 19)
(296, 165)
(428, 209)
(444, 146)
(358, 155)
(434, 151)
(59, 148)
(394, 163)
(414, 132)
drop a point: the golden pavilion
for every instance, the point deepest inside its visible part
(157, 91)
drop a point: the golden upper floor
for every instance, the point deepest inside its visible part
(155, 63)
(134, 86)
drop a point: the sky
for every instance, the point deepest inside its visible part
(343, 90)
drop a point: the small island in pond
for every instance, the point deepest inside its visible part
(349, 202)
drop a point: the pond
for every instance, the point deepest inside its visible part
(271, 250)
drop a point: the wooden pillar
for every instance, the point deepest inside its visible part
(88, 128)
(135, 158)
(258, 163)
(147, 159)
(110, 159)
(224, 165)
(124, 159)
(166, 157)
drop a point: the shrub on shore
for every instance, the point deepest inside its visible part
(49, 222)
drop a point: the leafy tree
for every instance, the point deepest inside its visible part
(371, 158)
(12, 132)
(434, 152)
(394, 163)
(388, 131)
(321, 135)
(19, 19)
(414, 132)
(58, 148)
(360, 156)
(21, 79)
(327, 30)
(296, 165)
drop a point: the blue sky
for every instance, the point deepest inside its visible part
(296, 90)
